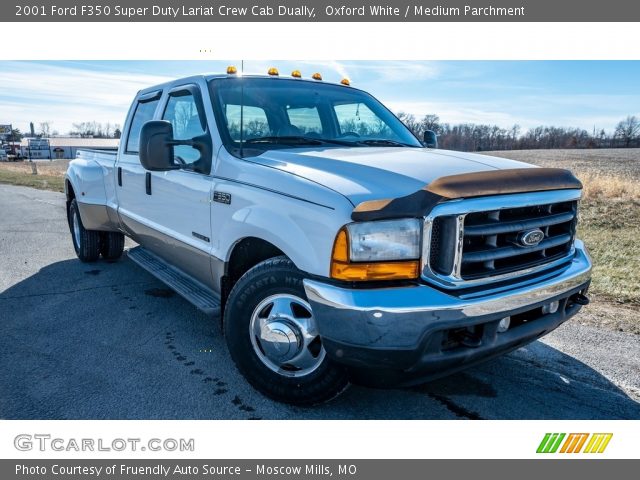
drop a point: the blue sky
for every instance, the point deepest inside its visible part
(584, 94)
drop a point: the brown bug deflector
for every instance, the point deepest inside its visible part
(467, 185)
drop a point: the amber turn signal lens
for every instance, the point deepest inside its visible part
(341, 247)
(342, 269)
(355, 272)
(273, 72)
(231, 70)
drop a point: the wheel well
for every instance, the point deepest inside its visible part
(245, 255)
(70, 193)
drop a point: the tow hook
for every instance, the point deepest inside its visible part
(580, 299)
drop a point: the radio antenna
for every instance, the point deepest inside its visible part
(241, 109)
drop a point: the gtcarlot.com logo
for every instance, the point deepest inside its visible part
(574, 443)
(44, 442)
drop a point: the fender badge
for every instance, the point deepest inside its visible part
(222, 197)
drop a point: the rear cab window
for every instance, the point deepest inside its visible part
(254, 120)
(305, 119)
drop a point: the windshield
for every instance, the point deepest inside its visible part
(266, 113)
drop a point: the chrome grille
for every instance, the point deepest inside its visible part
(491, 245)
(476, 241)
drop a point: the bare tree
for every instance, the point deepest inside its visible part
(628, 130)
(45, 129)
(410, 122)
(430, 122)
(515, 134)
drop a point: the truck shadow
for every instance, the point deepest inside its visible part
(108, 341)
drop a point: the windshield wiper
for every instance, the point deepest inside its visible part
(385, 142)
(298, 140)
(337, 141)
(292, 139)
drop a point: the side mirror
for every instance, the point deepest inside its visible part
(430, 139)
(156, 146)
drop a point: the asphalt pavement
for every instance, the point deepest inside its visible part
(108, 341)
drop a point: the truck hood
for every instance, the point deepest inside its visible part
(362, 174)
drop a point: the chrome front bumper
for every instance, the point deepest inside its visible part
(373, 326)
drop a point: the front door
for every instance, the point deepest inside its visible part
(181, 198)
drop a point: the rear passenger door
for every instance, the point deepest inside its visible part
(133, 202)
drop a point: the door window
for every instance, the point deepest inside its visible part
(182, 113)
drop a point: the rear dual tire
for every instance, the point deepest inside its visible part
(111, 245)
(90, 244)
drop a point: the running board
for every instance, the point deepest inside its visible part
(185, 286)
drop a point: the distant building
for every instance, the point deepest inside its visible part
(63, 147)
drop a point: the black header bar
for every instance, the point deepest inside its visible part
(320, 11)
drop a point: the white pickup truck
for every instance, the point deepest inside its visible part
(332, 243)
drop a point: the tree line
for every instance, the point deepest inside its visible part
(96, 130)
(468, 137)
(472, 137)
(90, 129)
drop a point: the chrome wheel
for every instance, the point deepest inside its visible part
(284, 335)
(75, 221)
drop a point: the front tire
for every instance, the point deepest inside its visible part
(273, 339)
(86, 243)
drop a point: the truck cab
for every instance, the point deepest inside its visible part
(332, 244)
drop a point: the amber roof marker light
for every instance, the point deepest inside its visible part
(296, 74)
(316, 76)
(273, 72)
(232, 70)
(345, 81)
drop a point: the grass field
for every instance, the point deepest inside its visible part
(50, 174)
(609, 219)
(609, 214)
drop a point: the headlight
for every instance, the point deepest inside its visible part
(384, 240)
(380, 250)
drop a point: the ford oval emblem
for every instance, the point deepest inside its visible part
(530, 238)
